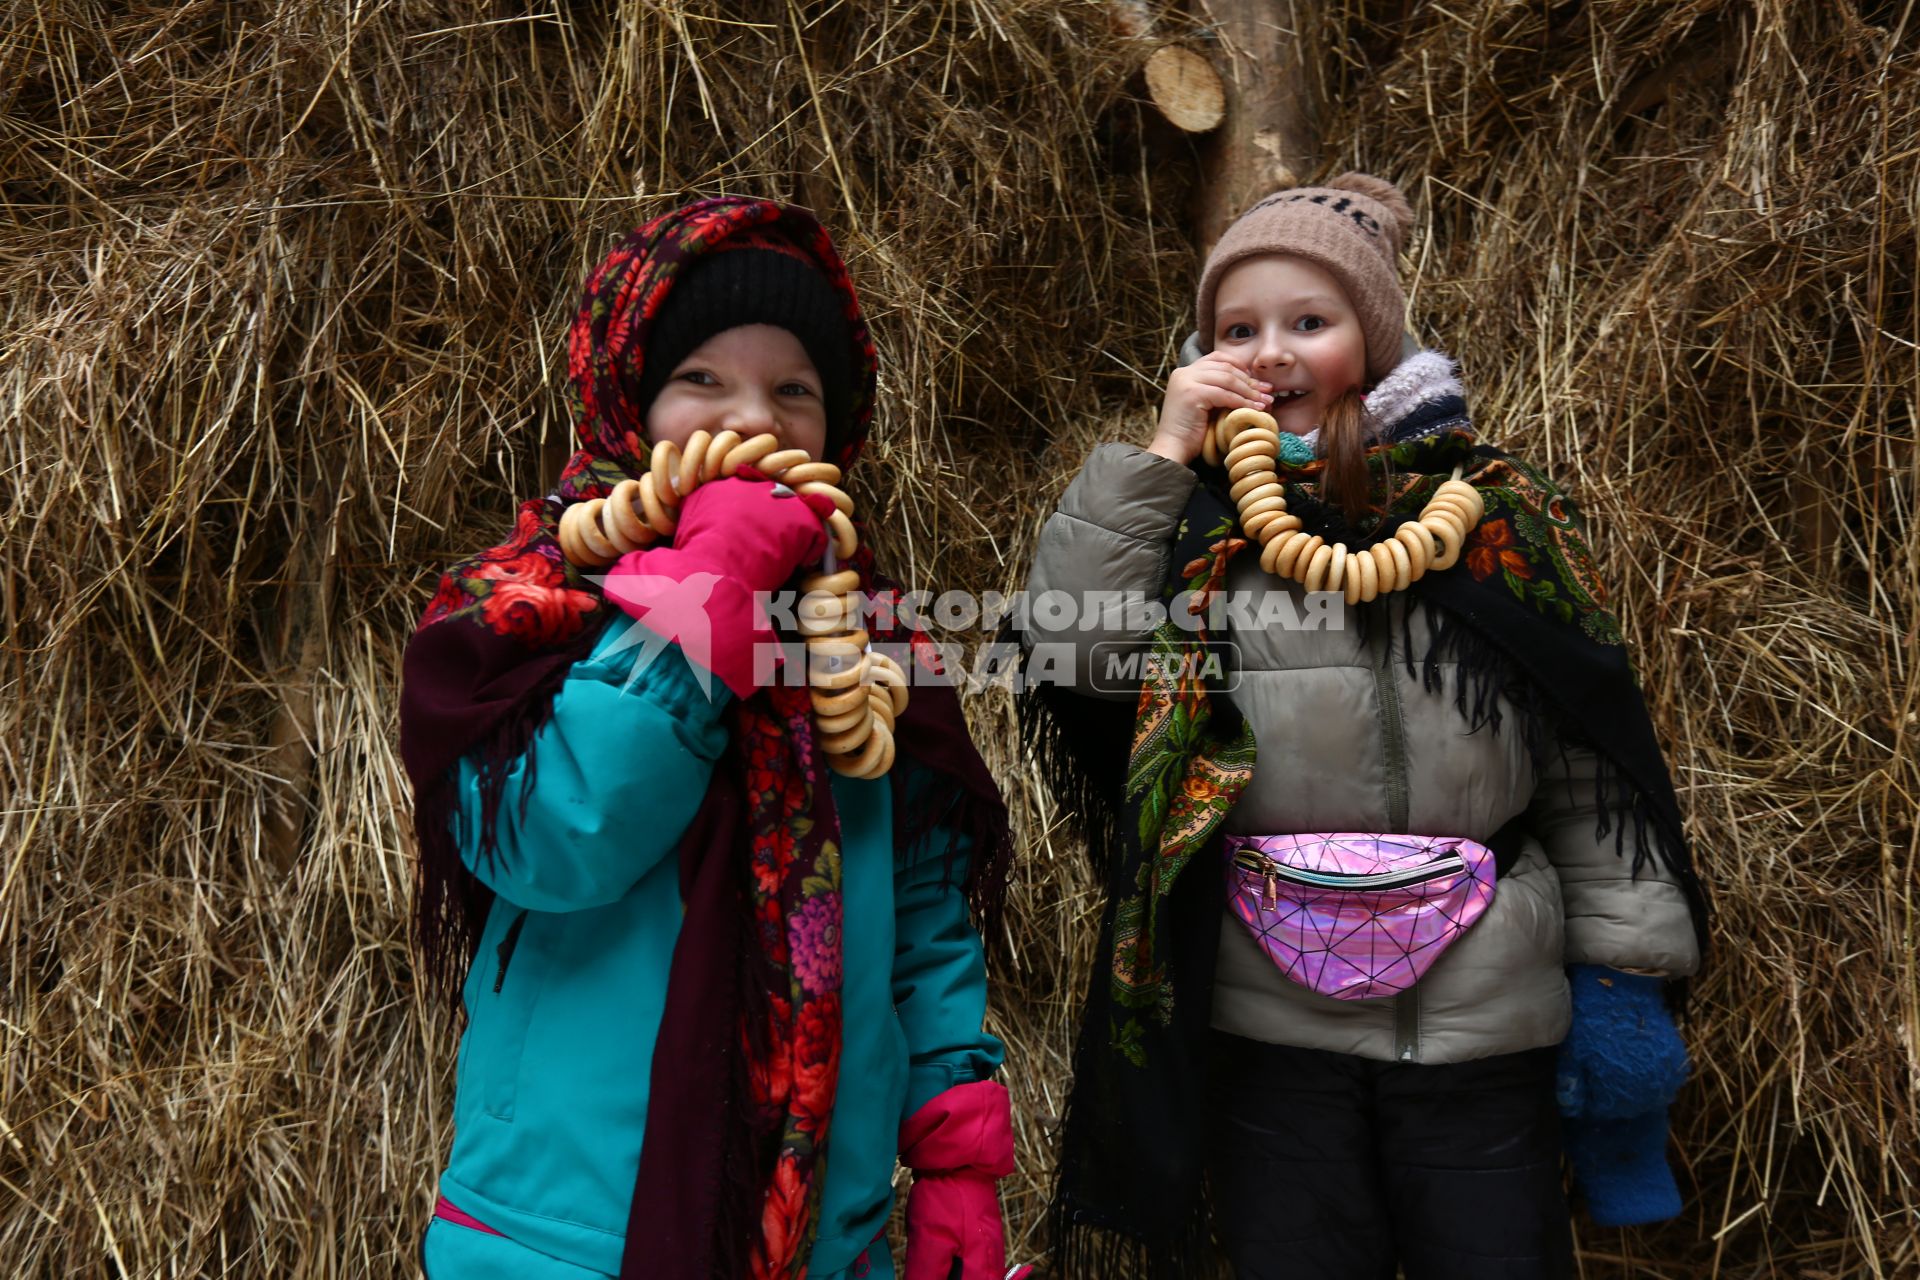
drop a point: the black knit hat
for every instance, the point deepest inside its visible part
(756, 286)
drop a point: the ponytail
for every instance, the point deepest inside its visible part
(1343, 443)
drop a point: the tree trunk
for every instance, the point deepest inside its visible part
(1267, 140)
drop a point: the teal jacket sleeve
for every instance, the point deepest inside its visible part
(618, 773)
(939, 974)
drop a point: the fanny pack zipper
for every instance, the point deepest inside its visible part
(1273, 872)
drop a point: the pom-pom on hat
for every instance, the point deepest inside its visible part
(1354, 227)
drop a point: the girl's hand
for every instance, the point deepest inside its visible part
(737, 537)
(1195, 393)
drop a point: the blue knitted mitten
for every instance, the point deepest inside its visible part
(1621, 1168)
(1620, 1067)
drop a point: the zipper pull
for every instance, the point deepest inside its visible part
(1270, 894)
(505, 950)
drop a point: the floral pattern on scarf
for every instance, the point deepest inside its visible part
(1183, 778)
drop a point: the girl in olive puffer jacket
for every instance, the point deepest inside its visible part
(1372, 854)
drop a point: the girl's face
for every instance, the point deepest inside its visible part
(754, 379)
(1287, 321)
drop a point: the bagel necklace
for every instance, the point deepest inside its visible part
(1247, 442)
(857, 693)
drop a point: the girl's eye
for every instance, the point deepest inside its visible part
(698, 377)
(1239, 332)
(795, 389)
(1308, 324)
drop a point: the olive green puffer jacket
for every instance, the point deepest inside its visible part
(1349, 740)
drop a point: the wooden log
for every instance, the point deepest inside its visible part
(1267, 139)
(1185, 88)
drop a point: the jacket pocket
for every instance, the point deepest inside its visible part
(501, 1010)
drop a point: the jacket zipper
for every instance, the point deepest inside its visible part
(1406, 1006)
(1406, 1024)
(505, 950)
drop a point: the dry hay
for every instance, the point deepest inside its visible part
(285, 288)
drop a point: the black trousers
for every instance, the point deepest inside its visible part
(1326, 1165)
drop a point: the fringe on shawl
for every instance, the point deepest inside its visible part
(975, 826)
(1484, 677)
(450, 902)
(1079, 747)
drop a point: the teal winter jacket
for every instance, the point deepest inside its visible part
(566, 993)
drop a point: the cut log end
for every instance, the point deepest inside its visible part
(1185, 88)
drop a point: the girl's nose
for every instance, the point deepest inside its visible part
(750, 416)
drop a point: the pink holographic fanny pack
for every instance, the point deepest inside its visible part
(1356, 916)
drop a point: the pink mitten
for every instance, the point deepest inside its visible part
(736, 537)
(958, 1146)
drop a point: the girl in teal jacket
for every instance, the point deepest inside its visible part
(712, 989)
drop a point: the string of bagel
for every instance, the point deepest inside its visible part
(857, 692)
(1247, 442)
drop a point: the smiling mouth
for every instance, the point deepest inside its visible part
(1281, 397)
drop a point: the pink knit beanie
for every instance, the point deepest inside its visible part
(1354, 227)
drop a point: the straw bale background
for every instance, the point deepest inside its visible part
(284, 290)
